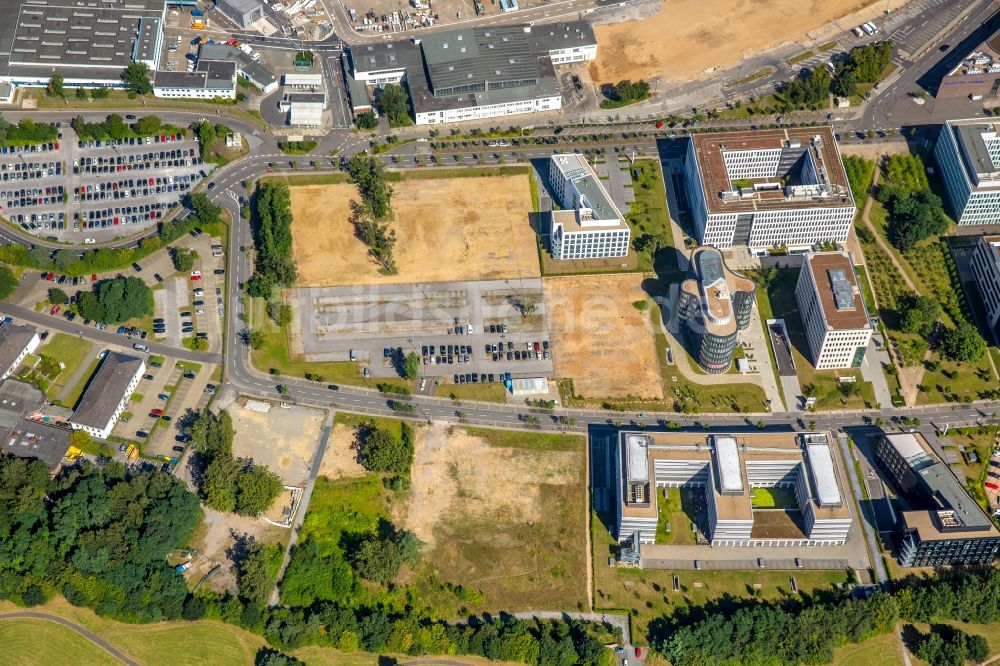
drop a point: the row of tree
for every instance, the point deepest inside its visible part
(274, 265)
(116, 300)
(864, 64)
(26, 132)
(227, 483)
(114, 127)
(807, 629)
(369, 216)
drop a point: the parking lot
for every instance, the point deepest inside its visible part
(90, 191)
(460, 330)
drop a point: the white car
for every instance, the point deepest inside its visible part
(199, 311)
(195, 273)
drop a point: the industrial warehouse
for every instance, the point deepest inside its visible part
(768, 188)
(476, 73)
(724, 472)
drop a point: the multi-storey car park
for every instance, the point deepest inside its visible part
(714, 305)
(768, 188)
(589, 226)
(837, 326)
(986, 267)
(726, 468)
(968, 156)
(475, 73)
(943, 525)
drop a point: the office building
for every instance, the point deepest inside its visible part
(713, 306)
(258, 74)
(589, 225)
(303, 109)
(242, 12)
(108, 393)
(477, 73)
(943, 526)
(977, 76)
(986, 267)
(968, 157)
(23, 433)
(836, 322)
(210, 79)
(722, 472)
(16, 342)
(768, 188)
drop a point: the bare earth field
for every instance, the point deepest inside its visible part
(447, 229)
(285, 439)
(215, 540)
(340, 460)
(502, 519)
(599, 340)
(687, 37)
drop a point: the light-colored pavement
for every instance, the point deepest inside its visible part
(871, 370)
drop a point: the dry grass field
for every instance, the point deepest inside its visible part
(599, 340)
(447, 229)
(686, 37)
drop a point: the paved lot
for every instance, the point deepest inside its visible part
(78, 191)
(188, 399)
(335, 320)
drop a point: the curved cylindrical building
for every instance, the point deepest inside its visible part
(713, 306)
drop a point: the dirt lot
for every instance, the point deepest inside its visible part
(686, 37)
(599, 340)
(500, 517)
(215, 540)
(340, 460)
(447, 229)
(283, 439)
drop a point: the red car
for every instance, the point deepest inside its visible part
(50, 276)
(659, 124)
(195, 278)
(156, 412)
(538, 346)
(54, 310)
(93, 278)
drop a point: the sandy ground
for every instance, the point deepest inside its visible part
(340, 459)
(454, 471)
(447, 229)
(686, 38)
(874, 151)
(217, 537)
(284, 439)
(599, 340)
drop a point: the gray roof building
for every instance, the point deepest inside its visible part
(208, 75)
(258, 73)
(24, 437)
(14, 340)
(104, 393)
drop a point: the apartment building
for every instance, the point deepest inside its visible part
(589, 226)
(837, 325)
(986, 267)
(943, 526)
(108, 393)
(724, 469)
(768, 188)
(714, 305)
(968, 158)
(16, 342)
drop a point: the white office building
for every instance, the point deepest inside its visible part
(589, 226)
(986, 267)
(16, 342)
(768, 188)
(968, 156)
(211, 79)
(837, 325)
(108, 394)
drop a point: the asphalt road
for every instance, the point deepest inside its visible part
(72, 626)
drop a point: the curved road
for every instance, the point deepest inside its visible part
(72, 626)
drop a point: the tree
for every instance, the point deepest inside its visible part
(918, 314)
(411, 366)
(366, 120)
(375, 190)
(212, 434)
(269, 657)
(81, 93)
(251, 571)
(844, 84)
(963, 343)
(393, 102)
(81, 439)
(55, 87)
(8, 283)
(183, 258)
(279, 312)
(381, 451)
(256, 489)
(116, 300)
(628, 91)
(378, 559)
(136, 78)
(204, 210)
(256, 339)
(274, 265)
(148, 125)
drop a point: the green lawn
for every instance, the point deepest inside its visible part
(779, 497)
(649, 215)
(673, 509)
(882, 650)
(495, 392)
(395, 426)
(27, 642)
(70, 397)
(275, 354)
